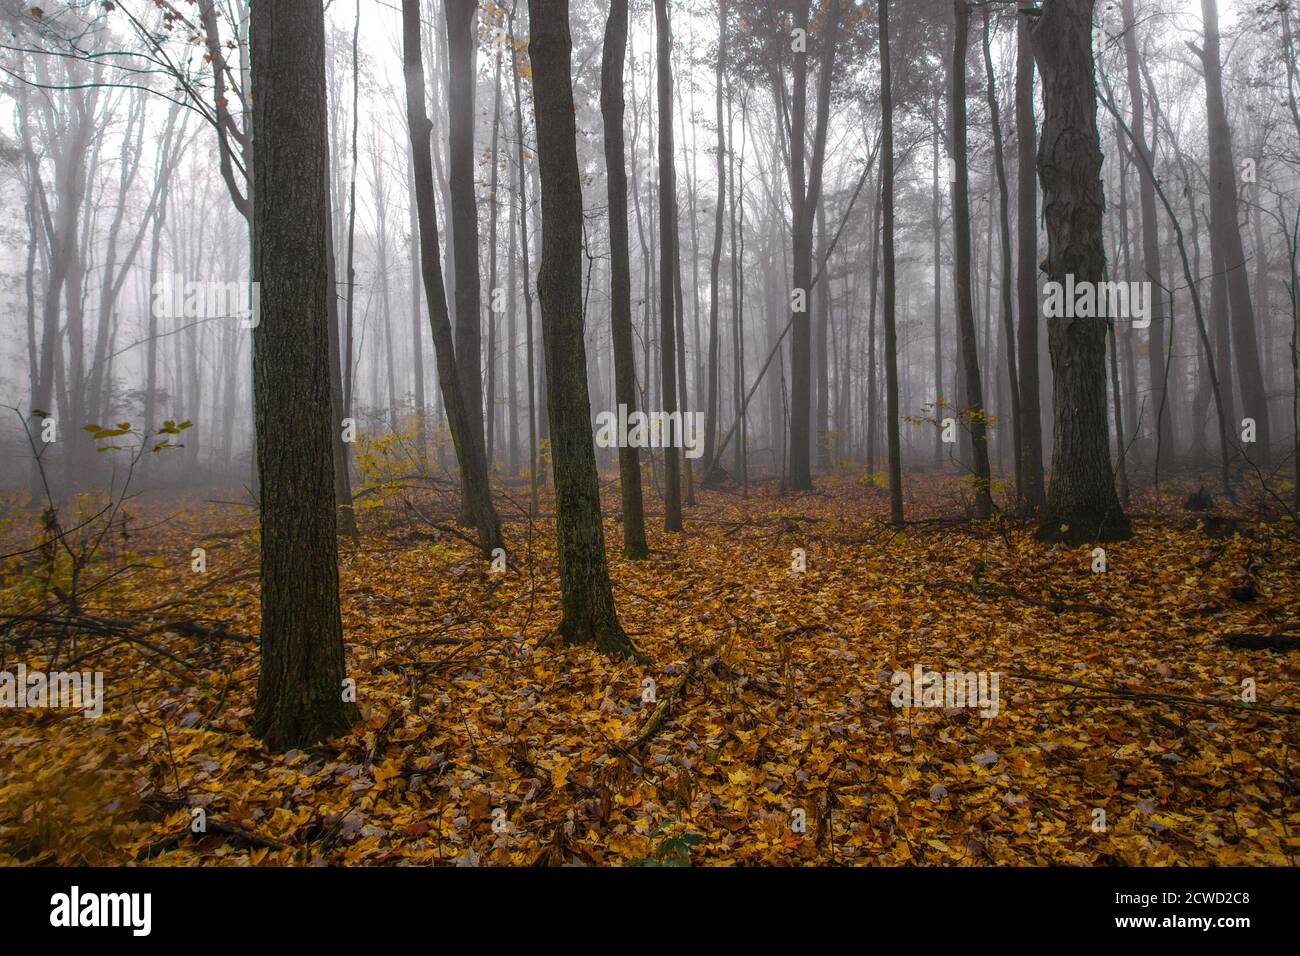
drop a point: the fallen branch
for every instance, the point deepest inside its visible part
(660, 713)
(993, 590)
(1125, 694)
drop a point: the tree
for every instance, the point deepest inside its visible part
(667, 272)
(473, 465)
(891, 331)
(464, 223)
(1031, 428)
(713, 409)
(805, 194)
(611, 109)
(587, 600)
(1081, 502)
(300, 695)
(1226, 234)
(973, 412)
(1151, 270)
(1004, 234)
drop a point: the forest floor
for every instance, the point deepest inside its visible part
(771, 738)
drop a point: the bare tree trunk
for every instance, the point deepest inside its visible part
(804, 197)
(1081, 502)
(1004, 281)
(1031, 429)
(611, 107)
(490, 405)
(973, 413)
(522, 198)
(713, 410)
(667, 273)
(891, 331)
(937, 249)
(300, 690)
(473, 468)
(417, 342)
(587, 600)
(1224, 223)
(464, 217)
(1150, 239)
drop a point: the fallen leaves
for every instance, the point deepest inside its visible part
(770, 737)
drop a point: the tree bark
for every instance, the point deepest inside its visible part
(611, 109)
(589, 615)
(473, 468)
(667, 272)
(1004, 280)
(1031, 427)
(1081, 502)
(891, 331)
(300, 699)
(464, 222)
(973, 413)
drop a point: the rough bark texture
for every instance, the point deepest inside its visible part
(588, 604)
(1081, 502)
(300, 687)
(611, 109)
(973, 411)
(1031, 427)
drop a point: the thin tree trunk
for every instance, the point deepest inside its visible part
(891, 332)
(973, 413)
(667, 273)
(473, 469)
(611, 108)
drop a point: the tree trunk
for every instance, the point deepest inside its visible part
(1150, 239)
(473, 469)
(804, 197)
(973, 413)
(464, 221)
(713, 409)
(611, 109)
(522, 198)
(300, 693)
(939, 402)
(1031, 428)
(490, 405)
(1224, 223)
(1081, 502)
(891, 331)
(1004, 280)
(586, 598)
(667, 273)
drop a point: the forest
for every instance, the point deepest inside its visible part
(649, 433)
